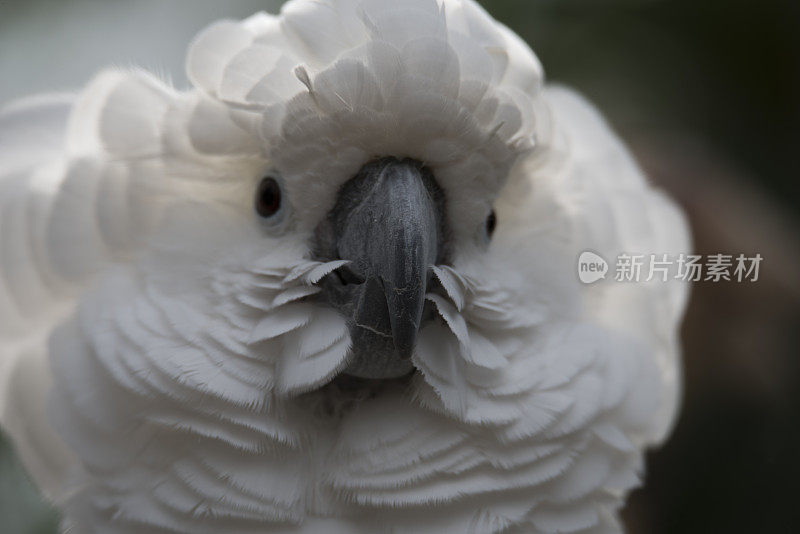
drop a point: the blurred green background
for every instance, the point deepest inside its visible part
(706, 94)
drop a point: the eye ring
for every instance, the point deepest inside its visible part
(268, 197)
(491, 223)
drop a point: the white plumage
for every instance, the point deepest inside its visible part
(162, 356)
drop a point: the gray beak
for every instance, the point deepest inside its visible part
(388, 223)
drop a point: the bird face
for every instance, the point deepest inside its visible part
(386, 232)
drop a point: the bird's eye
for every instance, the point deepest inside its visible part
(268, 197)
(491, 223)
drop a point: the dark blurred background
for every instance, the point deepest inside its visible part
(705, 93)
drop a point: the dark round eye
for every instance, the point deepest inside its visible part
(268, 197)
(491, 222)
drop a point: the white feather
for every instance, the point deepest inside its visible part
(178, 338)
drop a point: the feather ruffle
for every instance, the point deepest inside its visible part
(345, 82)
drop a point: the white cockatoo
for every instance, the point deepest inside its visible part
(332, 288)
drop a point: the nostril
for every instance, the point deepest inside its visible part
(348, 276)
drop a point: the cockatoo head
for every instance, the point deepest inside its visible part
(372, 141)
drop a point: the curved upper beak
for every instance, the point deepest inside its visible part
(388, 225)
